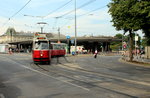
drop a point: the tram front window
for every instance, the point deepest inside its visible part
(41, 45)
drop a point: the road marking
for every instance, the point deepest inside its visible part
(2, 96)
(55, 78)
(114, 77)
(49, 76)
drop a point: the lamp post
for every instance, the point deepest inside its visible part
(58, 29)
(75, 27)
(42, 25)
(136, 46)
(58, 35)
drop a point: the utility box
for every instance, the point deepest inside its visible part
(4, 48)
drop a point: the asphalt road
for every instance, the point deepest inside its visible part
(72, 77)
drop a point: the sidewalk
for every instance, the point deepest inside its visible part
(137, 59)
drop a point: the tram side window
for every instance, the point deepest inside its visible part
(63, 46)
(54, 46)
(58, 47)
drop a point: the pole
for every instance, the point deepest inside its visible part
(135, 46)
(68, 46)
(122, 41)
(58, 35)
(41, 29)
(42, 25)
(75, 28)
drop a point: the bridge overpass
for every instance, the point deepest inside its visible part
(24, 42)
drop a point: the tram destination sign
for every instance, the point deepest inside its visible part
(40, 36)
(37, 35)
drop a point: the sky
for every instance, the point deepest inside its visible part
(24, 15)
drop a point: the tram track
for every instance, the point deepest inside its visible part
(70, 76)
(76, 81)
(106, 75)
(81, 83)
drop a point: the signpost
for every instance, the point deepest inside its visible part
(136, 39)
(68, 38)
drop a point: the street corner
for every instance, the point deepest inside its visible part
(134, 62)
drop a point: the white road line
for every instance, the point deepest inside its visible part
(55, 78)
(50, 76)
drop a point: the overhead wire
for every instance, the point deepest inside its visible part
(16, 13)
(85, 14)
(20, 9)
(58, 8)
(92, 11)
(87, 3)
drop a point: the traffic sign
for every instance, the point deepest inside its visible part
(67, 37)
(136, 38)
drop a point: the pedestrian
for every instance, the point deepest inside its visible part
(95, 54)
(10, 50)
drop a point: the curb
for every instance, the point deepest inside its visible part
(141, 64)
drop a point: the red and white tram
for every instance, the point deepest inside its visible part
(41, 52)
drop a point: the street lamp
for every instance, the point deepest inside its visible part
(58, 35)
(42, 24)
(75, 27)
(58, 28)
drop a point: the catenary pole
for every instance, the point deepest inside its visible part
(75, 28)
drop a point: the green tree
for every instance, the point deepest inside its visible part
(10, 31)
(129, 15)
(144, 12)
(117, 45)
(119, 36)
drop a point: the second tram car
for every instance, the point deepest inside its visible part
(58, 49)
(41, 52)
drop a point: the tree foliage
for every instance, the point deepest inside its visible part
(118, 44)
(10, 31)
(130, 16)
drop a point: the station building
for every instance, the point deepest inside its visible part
(23, 41)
